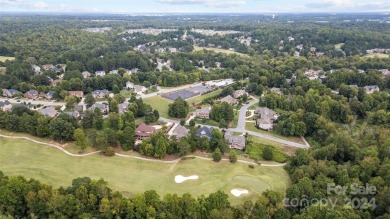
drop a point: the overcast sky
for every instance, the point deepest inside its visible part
(195, 6)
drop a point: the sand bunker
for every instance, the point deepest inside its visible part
(239, 192)
(180, 178)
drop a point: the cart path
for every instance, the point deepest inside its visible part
(134, 157)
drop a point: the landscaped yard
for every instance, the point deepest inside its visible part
(126, 93)
(251, 127)
(130, 176)
(226, 51)
(160, 104)
(211, 122)
(198, 99)
(338, 45)
(3, 58)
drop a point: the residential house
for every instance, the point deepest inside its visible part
(100, 73)
(79, 94)
(139, 89)
(75, 114)
(230, 100)
(55, 82)
(266, 113)
(49, 95)
(312, 74)
(238, 93)
(144, 131)
(129, 85)
(36, 69)
(204, 132)
(371, 89)
(9, 92)
(384, 71)
(267, 116)
(276, 90)
(31, 94)
(48, 112)
(313, 49)
(134, 71)
(100, 93)
(48, 67)
(180, 131)
(86, 74)
(203, 113)
(102, 107)
(5, 106)
(113, 72)
(172, 50)
(123, 107)
(236, 142)
(264, 124)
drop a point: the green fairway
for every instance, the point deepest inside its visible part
(130, 176)
(225, 51)
(160, 104)
(378, 55)
(3, 58)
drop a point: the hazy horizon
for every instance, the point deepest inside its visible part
(195, 6)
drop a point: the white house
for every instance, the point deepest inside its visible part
(100, 73)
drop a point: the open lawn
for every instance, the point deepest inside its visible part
(378, 55)
(225, 51)
(200, 98)
(130, 176)
(3, 58)
(251, 127)
(338, 45)
(160, 104)
(126, 93)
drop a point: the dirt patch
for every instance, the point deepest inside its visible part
(289, 150)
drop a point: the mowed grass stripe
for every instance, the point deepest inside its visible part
(130, 176)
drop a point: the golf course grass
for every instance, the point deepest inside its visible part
(130, 176)
(4, 58)
(378, 55)
(225, 51)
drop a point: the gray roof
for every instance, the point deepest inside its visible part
(100, 92)
(204, 110)
(204, 132)
(123, 107)
(5, 103)
(265, 113)
(101, 106)
(49, 111)
(229, 99)
(238, 142)
(180, 131)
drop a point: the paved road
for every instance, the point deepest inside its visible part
(35, 102)
(241, 128)
(242, 116)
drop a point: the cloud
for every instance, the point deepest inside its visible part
(9, 2)
(207, 3)
(38, 5)
(348, 5)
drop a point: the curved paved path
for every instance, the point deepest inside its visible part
(130, 156)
